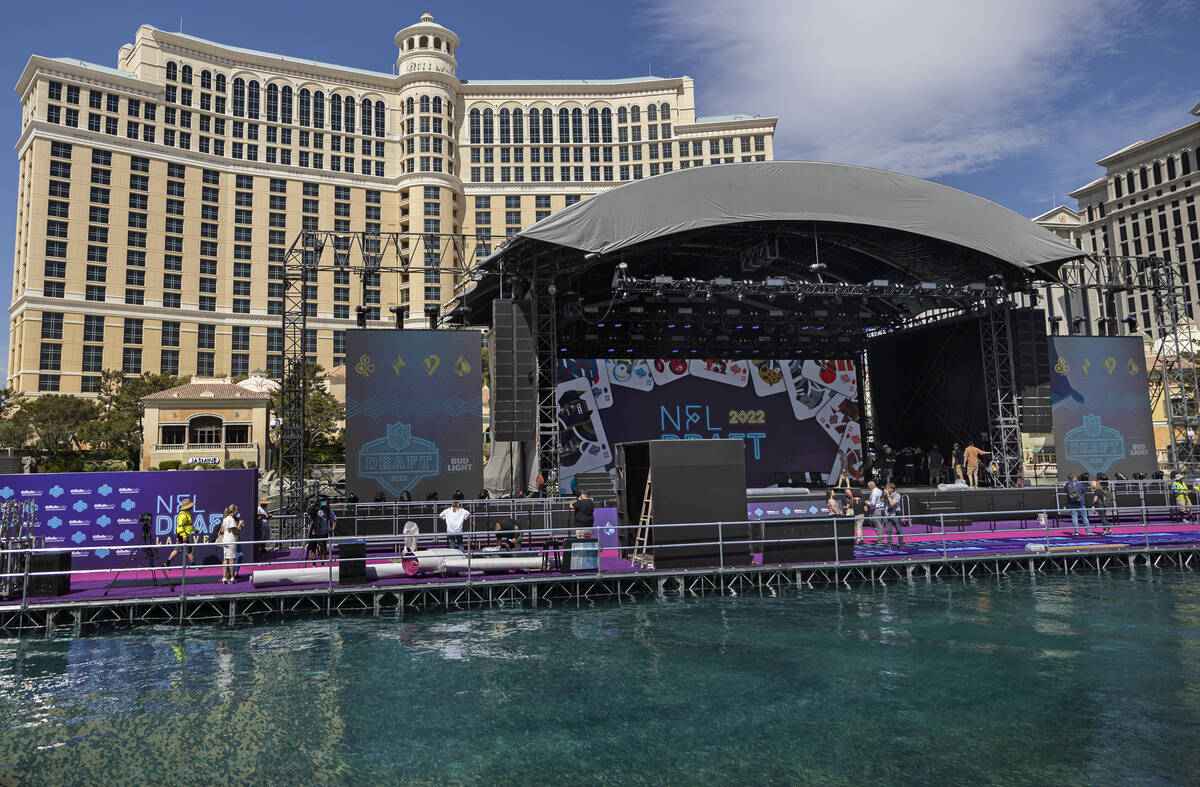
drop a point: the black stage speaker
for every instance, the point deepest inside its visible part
(1031, 359)
(514, 373)
(793, 541)
(352, 562)
(56, 585)
(696, 484)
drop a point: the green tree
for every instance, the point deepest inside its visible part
(118, 432)
(485, 369)
(57, 422)
(15, 431)
(322, 412)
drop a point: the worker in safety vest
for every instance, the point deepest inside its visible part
(185, 532)
(1182, 494)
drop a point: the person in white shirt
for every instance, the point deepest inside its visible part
(454, 516)
(878, 505)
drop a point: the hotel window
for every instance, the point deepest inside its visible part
(169, 362)
(131, 360)
(50, 357)
(52, 323)
(204, 368)
(48, 382)
(93, 328)
(93, 358)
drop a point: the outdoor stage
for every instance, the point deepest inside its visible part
(984, 548)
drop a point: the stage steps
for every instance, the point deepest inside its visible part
(599, 487)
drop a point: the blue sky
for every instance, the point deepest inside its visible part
(1011, 100)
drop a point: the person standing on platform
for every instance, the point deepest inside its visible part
(971, 457)
(1181, 493)
(956, 458)
(878, 506)
(893, 505)
(1100, 497)
(1074, 492)
(230, 527)
(889, 464)
(185, 532)
(934, 460)
(263, 515)
(454, 516)
(857, 505)
(584, 518)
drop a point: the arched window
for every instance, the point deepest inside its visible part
(1185, 163)
(380, 119)
(412, 43)
(1142, 179)
(365, 121)
(349, 106)
(635, 114)
(205, 429)
(535, 117)
(285, 104)
(410, 104)
(577, 125)
(185, 75)
(1157, 174)
(1117, 187)
(206, 80)
(172, 71)
(437, 43)
(594, 125)
(252, 100)
(518, 127)
(437, 105)
(220, 83)
(505, 127)
(273, 103)
(1170, 167)
(651, 113)
(318, 109)
(473, 126)
(305, 109)
(1130, 185)
(335, 112)
(664, 111)
(606, 125)
(424, 103)
(564, 125)
(424, 42)
(488, 127)
(622, 115)
(239, 97)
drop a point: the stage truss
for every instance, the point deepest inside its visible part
(367, 255)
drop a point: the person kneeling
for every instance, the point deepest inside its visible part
(508, 534)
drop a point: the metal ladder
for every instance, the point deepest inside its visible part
(641, 557)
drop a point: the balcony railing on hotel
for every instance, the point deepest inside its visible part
(167, 447)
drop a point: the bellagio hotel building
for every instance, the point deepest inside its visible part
(158, 199)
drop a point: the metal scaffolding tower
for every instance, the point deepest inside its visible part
(1000, 385)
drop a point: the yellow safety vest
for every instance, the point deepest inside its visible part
(183, 524)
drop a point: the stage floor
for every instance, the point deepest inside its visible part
(977, 540)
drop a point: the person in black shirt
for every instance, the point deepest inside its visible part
(508, 534)
(584, 508)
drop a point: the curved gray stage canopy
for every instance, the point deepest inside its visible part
(799, 191)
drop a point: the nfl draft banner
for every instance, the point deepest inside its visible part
(794, 416)
(1101, 405)
(414, 413)
(77, 510)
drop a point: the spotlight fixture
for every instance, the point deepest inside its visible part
(817, 267)
(996, 280)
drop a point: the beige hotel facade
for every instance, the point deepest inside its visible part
(157, 199)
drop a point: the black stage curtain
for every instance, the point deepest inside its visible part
(927, 387)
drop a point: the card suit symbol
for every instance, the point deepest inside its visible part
(758, 512)
(813, 509)
(787, 511)
(126, 536)
(431, 362)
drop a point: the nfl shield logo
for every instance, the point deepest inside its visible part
(399, 436)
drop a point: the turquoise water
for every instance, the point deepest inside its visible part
(1074, 680)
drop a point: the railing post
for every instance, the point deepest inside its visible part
(836, 557)
(329, 559)
(1046, 535)
(721, 544)
(183, 583)
(942, 522)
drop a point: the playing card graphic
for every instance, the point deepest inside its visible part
(806, 396)
(666, 370)
(736, 373)
(582, 444)
(831, 417)
(630, 373)
(767, 377)
(838, 375)
(592, 370)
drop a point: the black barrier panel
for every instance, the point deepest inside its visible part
(414, 413)
(806, 542)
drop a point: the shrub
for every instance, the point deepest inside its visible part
(252, 464)
(231, 464)
(169, 464)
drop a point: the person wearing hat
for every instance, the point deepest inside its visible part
(264, 520)
(185, 532)
(1183, 498)
(231, 525)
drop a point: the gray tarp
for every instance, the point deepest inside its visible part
(798, 191)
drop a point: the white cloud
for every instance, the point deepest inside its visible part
(926, 87)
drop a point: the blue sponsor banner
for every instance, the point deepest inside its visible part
(414, 413)
(1101, 404)
(77, 510)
